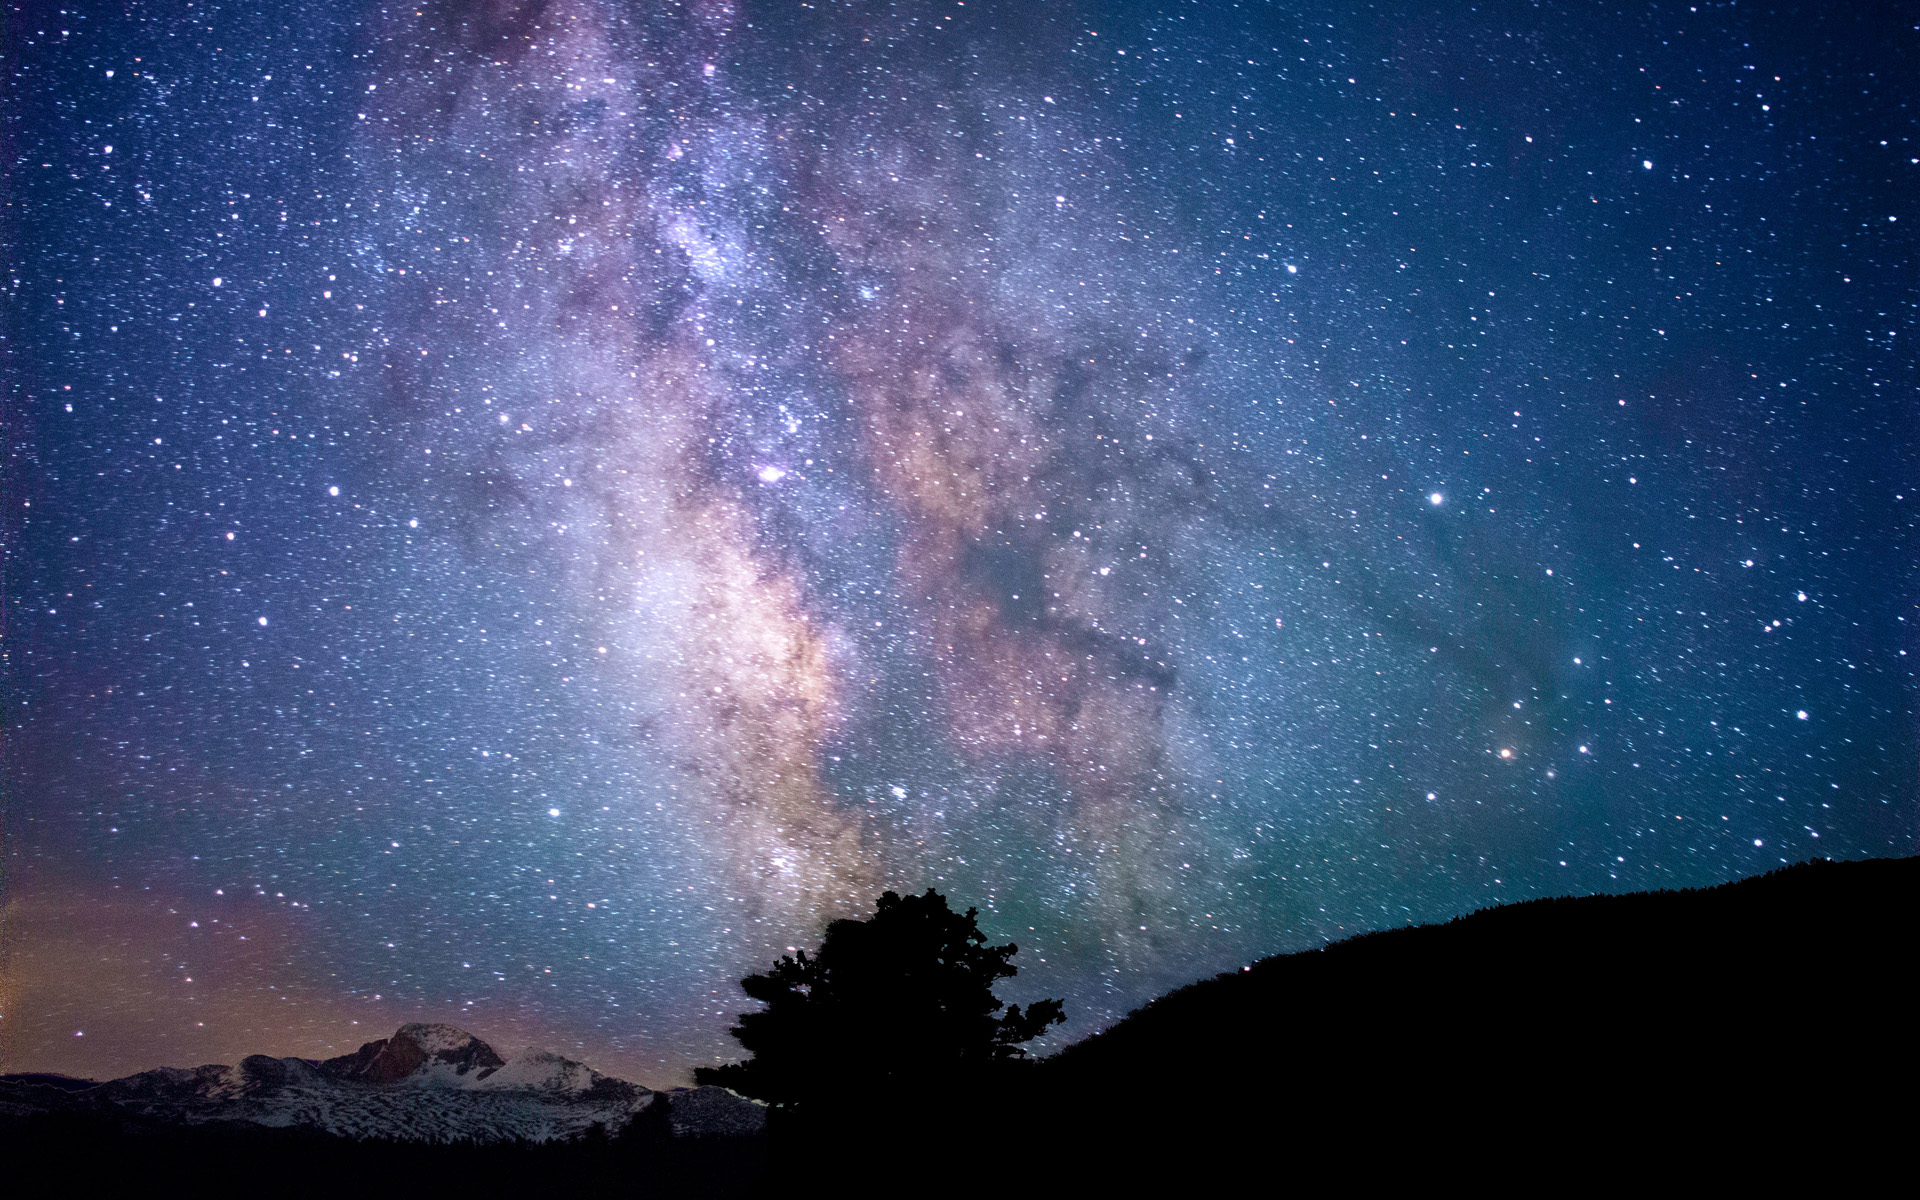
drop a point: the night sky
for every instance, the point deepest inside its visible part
(519, 512)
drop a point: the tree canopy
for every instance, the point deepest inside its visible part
(903, 997)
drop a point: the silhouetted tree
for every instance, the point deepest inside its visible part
(651, 1126)
(904, 997)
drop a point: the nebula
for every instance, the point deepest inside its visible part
(690, 309)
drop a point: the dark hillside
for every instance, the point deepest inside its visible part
(1816, 944)
(1780, 999)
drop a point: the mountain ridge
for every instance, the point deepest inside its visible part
(425, 1083)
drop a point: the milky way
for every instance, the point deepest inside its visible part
(526, 510)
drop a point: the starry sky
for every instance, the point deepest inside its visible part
(518, 512)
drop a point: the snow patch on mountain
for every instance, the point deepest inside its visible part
(537, 1069)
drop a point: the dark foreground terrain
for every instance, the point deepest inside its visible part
(1759, 1029)
(1768, 1016)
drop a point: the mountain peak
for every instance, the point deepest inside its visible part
(418, 1053)
(540, 1069)
(442, 1040)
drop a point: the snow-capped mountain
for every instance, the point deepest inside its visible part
(432, 1083)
